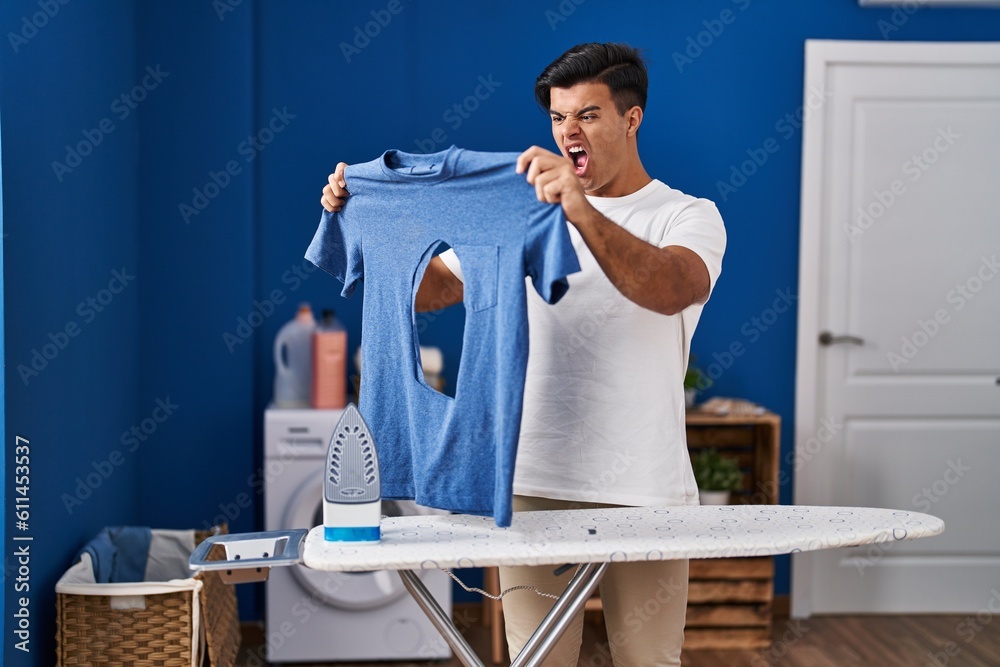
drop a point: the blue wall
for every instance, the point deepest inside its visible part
(219, 76)
(66, 236)
(197, 233)
(3, 384)
(721, 85)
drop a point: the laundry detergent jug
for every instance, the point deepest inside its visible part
(293, 360)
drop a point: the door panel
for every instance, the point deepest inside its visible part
(933, 481)
(900, 245)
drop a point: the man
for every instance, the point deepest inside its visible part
(603, 419)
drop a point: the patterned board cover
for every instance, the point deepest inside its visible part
(616, 535)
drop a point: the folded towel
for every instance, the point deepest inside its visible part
(102, 556)
(737, 407)
(119, 554)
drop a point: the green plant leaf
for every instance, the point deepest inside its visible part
(714, 471)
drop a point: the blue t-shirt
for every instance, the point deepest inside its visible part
(451, 453)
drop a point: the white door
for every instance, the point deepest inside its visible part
(900, 239)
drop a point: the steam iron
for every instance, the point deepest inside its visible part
(352, 496)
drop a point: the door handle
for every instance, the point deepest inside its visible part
(827, 338)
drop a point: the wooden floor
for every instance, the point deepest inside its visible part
(832, 641)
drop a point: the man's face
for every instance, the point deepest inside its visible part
(589, 130)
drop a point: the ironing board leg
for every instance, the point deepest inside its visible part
(559, 617)
(545, 636)
(440, 619)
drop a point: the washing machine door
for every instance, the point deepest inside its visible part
(345, 590)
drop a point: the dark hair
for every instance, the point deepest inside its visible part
(620, 66)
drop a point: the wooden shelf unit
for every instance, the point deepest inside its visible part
(730, 600)
(754, 439)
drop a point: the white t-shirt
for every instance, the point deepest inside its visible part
(603, 415)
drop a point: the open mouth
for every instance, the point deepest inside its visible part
(580, 159)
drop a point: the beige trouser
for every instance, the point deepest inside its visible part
(644, 606)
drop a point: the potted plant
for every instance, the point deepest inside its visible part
(717, 476)
(694, 381)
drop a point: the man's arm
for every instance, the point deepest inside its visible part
(438, 289)
(664, 280)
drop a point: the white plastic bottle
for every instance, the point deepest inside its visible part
(293, 360)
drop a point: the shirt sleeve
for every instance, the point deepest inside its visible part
(548, 253)
(336, 248)
(699, 228)
(451, 261)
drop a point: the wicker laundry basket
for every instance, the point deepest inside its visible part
(168, 624)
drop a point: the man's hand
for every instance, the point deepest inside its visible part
(555, 181)
(664, 280)
(439, 287)
(335, 193)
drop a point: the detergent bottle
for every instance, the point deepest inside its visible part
(293, 360)
(329, 354)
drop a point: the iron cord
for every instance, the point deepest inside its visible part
(504, 592)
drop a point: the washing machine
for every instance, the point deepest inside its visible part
(331, 616)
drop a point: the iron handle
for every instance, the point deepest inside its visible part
(827, 338)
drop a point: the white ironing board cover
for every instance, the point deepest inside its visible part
(557, 537)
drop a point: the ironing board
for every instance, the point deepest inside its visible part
(589, 538)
